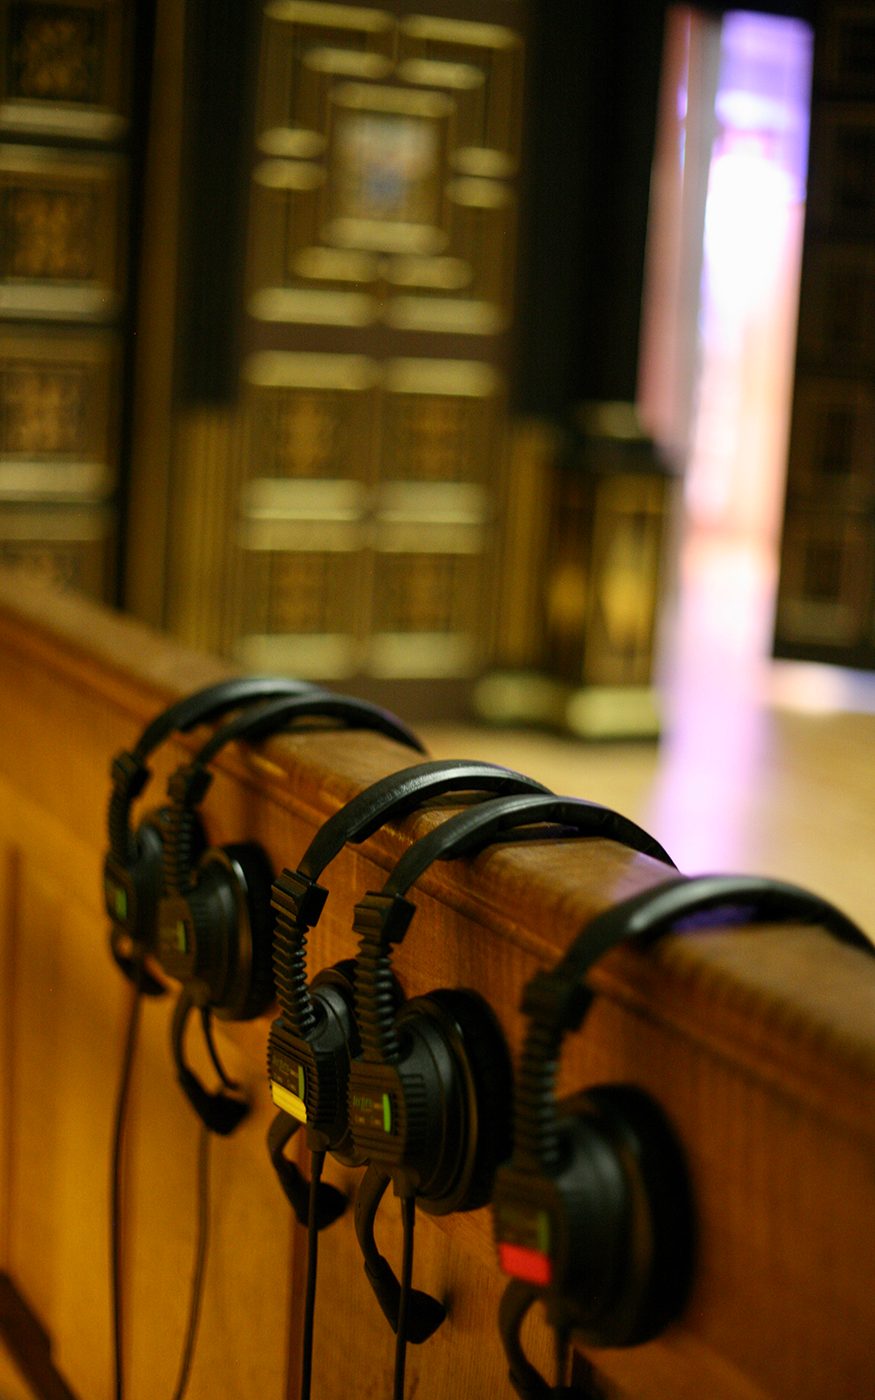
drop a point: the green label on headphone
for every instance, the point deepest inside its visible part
(116, 899)
(372, 1111)
(524, 1224)
(173, 937)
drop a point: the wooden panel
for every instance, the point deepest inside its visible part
(761, 1047)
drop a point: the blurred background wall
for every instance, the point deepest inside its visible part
(420, 347)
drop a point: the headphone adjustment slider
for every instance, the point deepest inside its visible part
(556, 1001)
(297, 899)
(387, 916)
(128, 774)
(189, 785)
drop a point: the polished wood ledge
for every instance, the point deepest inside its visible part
(759, 1044)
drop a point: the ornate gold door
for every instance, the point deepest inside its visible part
(357, 520)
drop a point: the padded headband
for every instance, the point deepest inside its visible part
(382, 919)
(208, 704)
(741, 898)
(298, 898)
(189, 784)
(557, 1000)
(270, 718)
(483, 826)
(129, 771)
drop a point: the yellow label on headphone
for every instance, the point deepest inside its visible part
(287, 1101)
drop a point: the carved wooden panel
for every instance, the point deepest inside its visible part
(367, 521)
(601, 596)
(59, 407)
(62, 67)
(70, 546)
(385, 192)
(60, 234)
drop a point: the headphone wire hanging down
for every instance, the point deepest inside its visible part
(408, 1221)
(116, 1177)
(200, 1262)
(317, 1162)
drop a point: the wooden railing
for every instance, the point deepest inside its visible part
(759, 1046)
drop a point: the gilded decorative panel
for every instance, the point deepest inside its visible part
(61, 68)
(69, 546)
(58, 415)
(367, 516)
(602, 571)
(826, 598)
(385, 193)
(442, 420)
(303, 611)
(312, 425)
(60, 216)
(625, 561)
(311, 416)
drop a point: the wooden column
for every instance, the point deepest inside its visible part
(759, 1044)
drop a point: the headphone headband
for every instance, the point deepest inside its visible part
(383, 919)
(298, 899)
(557, 1000)
(129, 771)
(473, 831)
(400, 793)
(211, 702)
(742, 898)
(190, 783)
(270, 718)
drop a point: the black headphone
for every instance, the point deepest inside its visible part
(214, 933)
(592, 1213)
(308, 1059)
(132, 888)
(132, 866)
(314, 1039)
(430, 1095)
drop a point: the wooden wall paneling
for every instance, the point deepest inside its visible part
(64, 1030)
(243, 1329)
(8, 948)
(760, 1046)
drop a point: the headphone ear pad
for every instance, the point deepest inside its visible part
(489, 1076)
(249, 991)
(644, 1221)
(141, 892)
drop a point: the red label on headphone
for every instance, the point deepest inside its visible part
(528, 1264)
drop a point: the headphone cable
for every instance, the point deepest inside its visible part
(116, 1183)
(200, 1261)
(562, 1355)
(317, 1161)
(408, 1218)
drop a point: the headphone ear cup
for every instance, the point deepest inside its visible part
(638, 1222)
(133, 894)
(486, 1068)
(250, 988)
